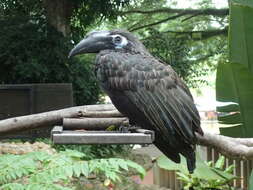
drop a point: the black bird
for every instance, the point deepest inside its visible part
(147, 91)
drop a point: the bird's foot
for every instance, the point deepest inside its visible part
(128, 129)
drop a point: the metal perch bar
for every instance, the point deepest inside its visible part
(140, 136)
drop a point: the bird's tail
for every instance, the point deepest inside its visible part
(190, 159)
(173, 154)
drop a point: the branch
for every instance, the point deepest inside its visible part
(237, 148)
(156, 23)
(205, 33)
(55, 117)
(201, 34)
(194, 35)
(210, 11)
(93, 123)
(178, 12)
(202, 58)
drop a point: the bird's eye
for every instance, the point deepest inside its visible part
(117, 39)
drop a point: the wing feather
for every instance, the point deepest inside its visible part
(157, 91)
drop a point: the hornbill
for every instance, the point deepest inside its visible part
(146, 90)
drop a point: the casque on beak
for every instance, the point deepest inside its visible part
(93, 43)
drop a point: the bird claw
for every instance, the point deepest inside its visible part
(128, 129)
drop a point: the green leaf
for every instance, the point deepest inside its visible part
(224, 175)
(77, 169)
(68, 171)
(240, 33)
(231, 118)
(230, 169)
(220, 162)
(202, 171)
(12, 186)
(245, 3)
(138, 168)
(85, 169)
(73, 153)
(183, 176)
(123, 164)
(167, 164)
(251, 180)
(111, 175)
(236, 85)
(228, 108)
(59, 168)
(235, 79)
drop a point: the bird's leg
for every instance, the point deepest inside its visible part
(133, 126)
(124, 127)
(129, 127)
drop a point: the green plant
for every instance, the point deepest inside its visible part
(32, 51)
(206, 175)
(251, 180)
(234, 78)
(190, 46)
(200, 183)
(36, 64)
(92, 151)
(40, 170)
(97, 151)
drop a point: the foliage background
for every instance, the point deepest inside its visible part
(33, 51)
(36, 37)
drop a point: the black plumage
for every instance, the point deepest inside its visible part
(146, 90)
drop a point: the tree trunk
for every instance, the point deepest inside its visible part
(58, 13)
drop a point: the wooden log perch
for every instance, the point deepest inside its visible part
(103, 114)
(93, 123)
(55, 117)
(107, 114)
(237, 148)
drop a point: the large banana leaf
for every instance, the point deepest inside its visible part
(241, 33)
(202, 171)
(234, 81)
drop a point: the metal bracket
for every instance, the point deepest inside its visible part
(139, 136)
(145, 131)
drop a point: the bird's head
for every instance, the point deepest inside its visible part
(97, 41)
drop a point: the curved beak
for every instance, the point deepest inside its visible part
(94, 43)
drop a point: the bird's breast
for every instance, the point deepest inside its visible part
(124, 72)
